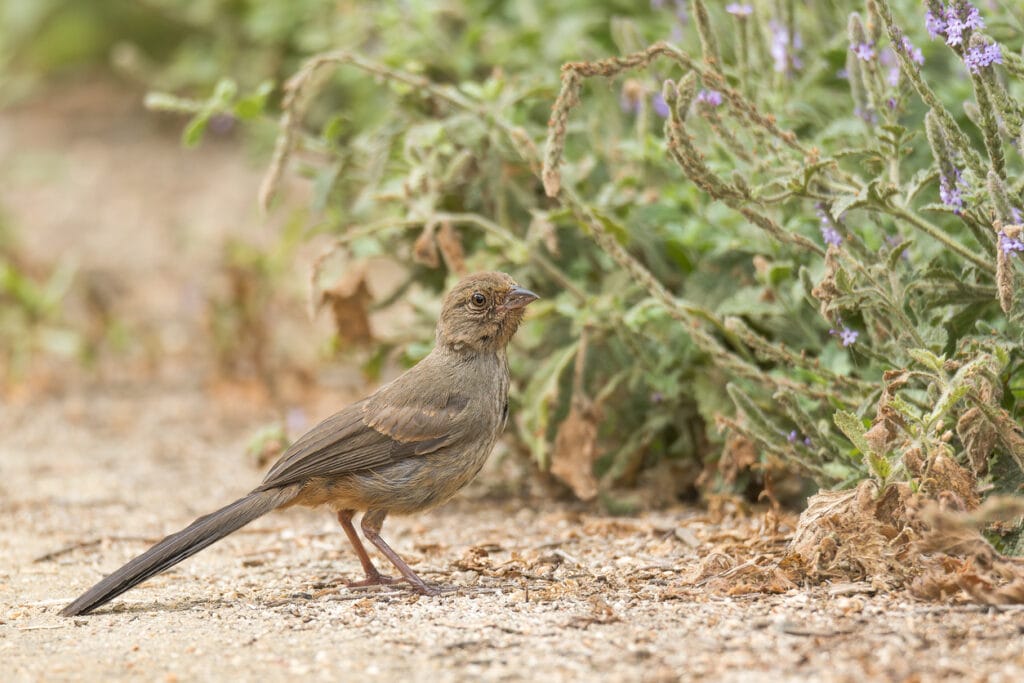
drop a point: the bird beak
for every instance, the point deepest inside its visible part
(519, 297)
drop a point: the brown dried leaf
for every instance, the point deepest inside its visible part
(349, 300)
(1010, 436)
(841, 536)
(938, 581)
(575, 451)
(827, 290)
(885, 431)
(424, 249)
(978, 437)
(476, 559)
(989, 593)
(880, 437)
(451, 249)
(739, 455)
(946, 478)
(1004, 268)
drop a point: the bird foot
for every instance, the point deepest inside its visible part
(425, 589)
(375, 580)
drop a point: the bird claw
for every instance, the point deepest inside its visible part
(425, 589)
(378, 580)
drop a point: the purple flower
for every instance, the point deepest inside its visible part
(982, 56)
(864, 51)
(792, 436)
(950, 191)
(828, 228)
(1016, 215)
(660, 106)
(868, 115)
(846, 335)
(784, 48)
(973, 19)
(935, 25)
(736, 9)
(1010, 245)
(712, 98)
(959, 18)
(954, 19)
(912, 51)
(888, 58)
(831, 235)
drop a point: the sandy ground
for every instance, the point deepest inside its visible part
(541, 591)
(92, 473)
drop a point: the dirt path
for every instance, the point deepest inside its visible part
(544, 591)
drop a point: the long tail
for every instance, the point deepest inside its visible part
(201, 533)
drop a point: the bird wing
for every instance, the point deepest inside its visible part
(376, 431)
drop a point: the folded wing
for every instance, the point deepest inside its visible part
(368, 434)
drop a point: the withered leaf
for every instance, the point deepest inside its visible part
(978, 437)
(424, 249)
(349, 300)
(575, 451)
(451, 248)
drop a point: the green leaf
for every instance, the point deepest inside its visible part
(193, 133)
(927, 359)
(254, 104)
(879, 465)
(854, 430)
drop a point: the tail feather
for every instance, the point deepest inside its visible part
(201, 533)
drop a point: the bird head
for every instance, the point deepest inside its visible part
(482, 312)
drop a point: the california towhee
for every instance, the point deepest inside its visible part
(409, 446)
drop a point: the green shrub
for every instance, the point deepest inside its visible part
(815, 229)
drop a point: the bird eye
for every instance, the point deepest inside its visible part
(479, 299)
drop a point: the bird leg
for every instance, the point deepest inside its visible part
(373, 577)
(371, 523)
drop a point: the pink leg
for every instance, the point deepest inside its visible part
(371, 523)
(373, 577)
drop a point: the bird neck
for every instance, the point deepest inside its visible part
(465, 351)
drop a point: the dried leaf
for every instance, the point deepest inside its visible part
(451, 249)
(1004, 268)
(349, 300)
(739, 455)
(424, 249)
(978, 437)
(946, 478)
(827, 290)
(841, 536)
(575, 451)
(1010, 435)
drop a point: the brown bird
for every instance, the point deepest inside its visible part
(407, 447)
